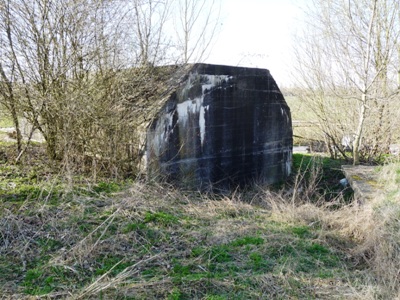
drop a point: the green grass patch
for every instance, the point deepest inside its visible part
(259, 261)
(221, 253)
(106, 188)
(44, 280)
(161, 218)
(111, 264)
(37, 283)
(301, 231)
(248, 240)
(133, 227)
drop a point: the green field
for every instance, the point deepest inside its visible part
(5, 120)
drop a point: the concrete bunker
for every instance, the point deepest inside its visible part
(221, 128)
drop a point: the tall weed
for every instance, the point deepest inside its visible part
(372, 229)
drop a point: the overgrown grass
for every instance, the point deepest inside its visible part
(318, 178)
(35, 179)
(372, 227)
(151, 242)
(19, 185)
(134, 240)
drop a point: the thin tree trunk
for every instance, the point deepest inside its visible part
(359, 131)
(10, 103)
(14, 116)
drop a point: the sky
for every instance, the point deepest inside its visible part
(258, 33)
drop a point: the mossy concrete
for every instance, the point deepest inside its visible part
(363, 180)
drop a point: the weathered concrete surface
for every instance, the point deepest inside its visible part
(363, 180)
(223, 127)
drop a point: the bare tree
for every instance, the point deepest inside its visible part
(67, 67)
(172, 30)
(7, 72)
(50, 46)
(196, 25)
(347, 53)
(149, 18)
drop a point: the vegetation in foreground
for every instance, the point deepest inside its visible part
(131, 240)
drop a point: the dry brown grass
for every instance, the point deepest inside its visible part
(372, 230)
(369, 234)
(364, 237)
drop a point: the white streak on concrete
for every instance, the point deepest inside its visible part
(194, 107)
(188, 107)
(202, 123)
(168, 125)
(206, 88)
(289, 163)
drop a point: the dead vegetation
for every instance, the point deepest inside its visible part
(137, 240)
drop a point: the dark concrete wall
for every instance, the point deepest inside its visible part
(225, 126)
